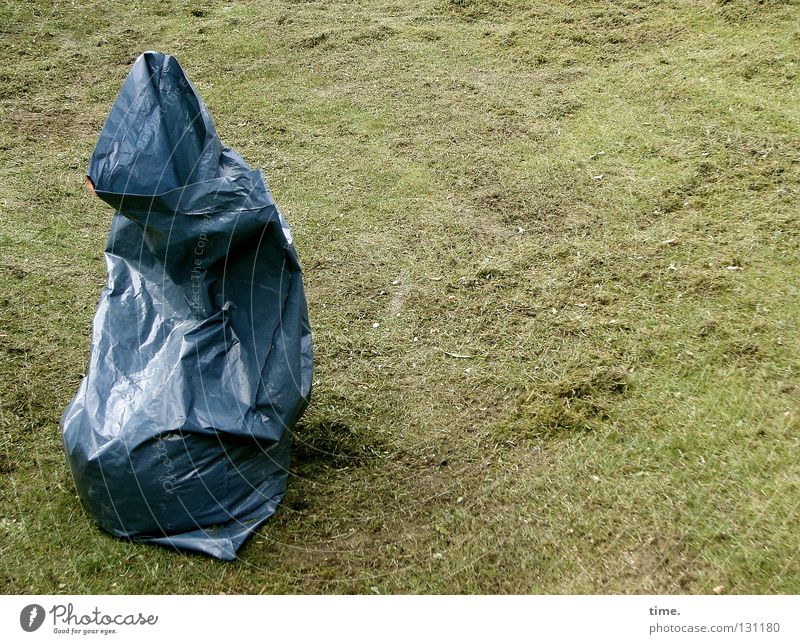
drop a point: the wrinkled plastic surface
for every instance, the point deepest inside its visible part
(201, 357)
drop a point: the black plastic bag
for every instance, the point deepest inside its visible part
(201, 356)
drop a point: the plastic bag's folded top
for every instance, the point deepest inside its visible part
(200, 359)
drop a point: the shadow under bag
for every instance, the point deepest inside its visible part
(201, 357)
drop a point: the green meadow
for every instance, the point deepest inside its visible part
(551, 252)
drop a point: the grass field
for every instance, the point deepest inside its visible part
(575, 225)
